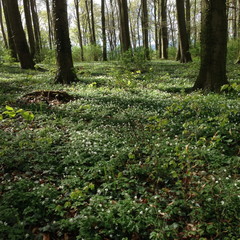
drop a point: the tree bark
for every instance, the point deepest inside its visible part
(50, 27)
(28, 19)
(104, 38)
(124, 26)
(89, 23)
(37, 34)
(19, 36)
(65, 73)
(76, 3)
(2, 27)
(188, 19)
(145, 28)
(234, 18)
(164, 30)
(212, 74)
(11, 44)
(195, 24)
(183, 36)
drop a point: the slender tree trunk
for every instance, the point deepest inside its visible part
(28, 19)
(145, 28)
(124, 26)
(76, 3)
(49, 17)
(138, 26)
(93, 23)
(19, 36)
(212, 74)
(65, 73)
(36, 26)
(2, 27)
(89, 23)
(113, 25)
(104, 31)
(133, 33)
(164, 30)
(160, 28)
(156, 28)
(171, 29)
(11, 44)
(234, 19)
(195, 24)
(184, 43)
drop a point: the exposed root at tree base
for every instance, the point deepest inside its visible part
(49, 97)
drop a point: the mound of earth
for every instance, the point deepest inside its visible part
(49, 97)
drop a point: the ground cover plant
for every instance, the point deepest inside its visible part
(133, 155)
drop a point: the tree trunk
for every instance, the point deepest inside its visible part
(93, 23)
(145, 28)
(234, 18)
(11, 44)
(212, 74)
(124, 27)
(104, 31)
(19, 36)
(164, 30)
(37, 34)
(2, 27)
(188, 20)
(65, 73)
(28, 19)
(171, 29)
(156, 28)
(183, 36)
(76, 3)
(195, 24)
(50, 27)
(89, 23)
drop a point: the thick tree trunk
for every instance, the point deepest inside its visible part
(76, 3)
(212, 74)
(188, 19)
(104, 54)
(124, 26)
(11, 44)
(184, 43)
(164, 29)
(19, 36)
(28, 19)
(65, 73)
(145, 28)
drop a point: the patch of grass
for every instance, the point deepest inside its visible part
(132, 157)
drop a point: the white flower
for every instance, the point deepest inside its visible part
(222, 202)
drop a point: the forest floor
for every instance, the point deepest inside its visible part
(119, 155)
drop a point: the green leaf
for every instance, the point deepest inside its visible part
(11, 114)
(9, 108)
(1, 117)
(131, 156)
(29, 116)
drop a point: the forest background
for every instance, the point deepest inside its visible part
(136, 144)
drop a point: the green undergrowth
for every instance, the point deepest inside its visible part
(132, 157)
